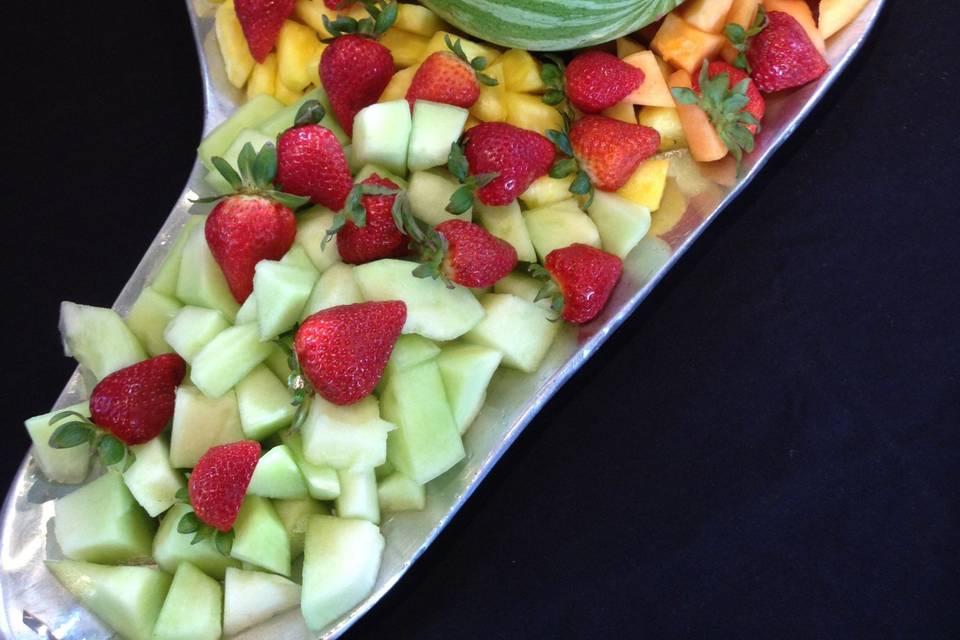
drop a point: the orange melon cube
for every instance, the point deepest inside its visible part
(397, 87)
(801, 12)
(622, 111)
(742, 13)
(491, 106)
(626, 46)
(684, 46)
(406, 48)
(654, 90)
(836, 14)
(702, 139)
(645, 186)
(706, 15)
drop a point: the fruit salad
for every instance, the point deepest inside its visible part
(396, 211)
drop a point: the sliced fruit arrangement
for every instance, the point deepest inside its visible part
(400, 211)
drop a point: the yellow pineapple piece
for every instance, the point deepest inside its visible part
(297, 46)
(313, 66)
(667, 122)
(471, 122)
(645, 186)
(311, 12)
(263, 78)
(622, 111)
(287, 97)
(418, 19)
(546, 190)
(233, 45)
(626, 47)
(471, 48)
(673, 205)
(491, 106)
(529, 112)
(398, 85)
(521, 72)
(406, 48)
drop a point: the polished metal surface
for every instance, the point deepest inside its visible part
(35, 606)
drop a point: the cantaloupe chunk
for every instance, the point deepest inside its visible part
(521, 72)
(406, 48)
(666, 121)
(399, 84)
(742, 12)
(233, 45)
(706, 15)
(626, 47)
(622, 111)
(491, 106)
(705, 145)
(654, 90)
(297, 45)
(418, 19)
(471, 48)
(263, 78)
(801, 12)
(530, 112)
(836, 14)
(684, 46)
(646, 185)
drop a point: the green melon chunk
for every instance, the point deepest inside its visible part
(192, 329)
(559, 225)
(278, 362)
(148, 318)
(199, 423)
(128, 599)
(381, 135)
(172, 548)
(248, 310)
(252, 597)
(522, 286)
(165, 279)
(433, 310)
(466, 370)
(264, 403)
(151, 478)
(67, 466)
(507, 224)
(345, 436)
(98, 338)
(251, 113)
(295, 515)
(200, 281)
(322, 481)
(520, 330)
(193, 607)
(384, 470)
(622, 224)
(101, 522)
(429, 193)
(228, 358)
(397, 492)
(311, 228)
(284, 118)
(297, 256)
(260, 538)
(409, 351)
(426, 442)
(358, 495)
(282, 291)
(434, 128)
(368, 170)
(252, 137)
(340, 565)
(278, 476)
(335, 287)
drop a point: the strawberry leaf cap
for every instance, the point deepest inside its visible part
(353, 209)
(552, 75)
(257, 171)
(191, 523)
(382, 17)
(740, 38)
(298, 383)
(563, 167)
(80, 430)
(549, 291)
(310, 112)
(462, 199)
(478, 64)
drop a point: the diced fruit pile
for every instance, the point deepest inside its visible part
(398, 212)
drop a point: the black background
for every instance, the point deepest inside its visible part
(767, 448)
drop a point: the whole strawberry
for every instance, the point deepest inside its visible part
(472, 256)
(311, 162)
(342, 351)
(218, 484)
(755, 104)
(782, 55)
(261, 21)
(580, 279)
(449, 77)
(515, 156)
(366, 229)
(355, 68)
(596, 80)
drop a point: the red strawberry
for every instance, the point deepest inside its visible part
(609, 151)
(782, 55)
(219, 482)
(136, 403)
(261, 21)
(343, 350)
(586, 277)
(333, 5)
(474, 257)
(756, 105)
(379, 237)
(518, 157)
(443, 77)
(354, 69)
(597, 80)
(311, 162)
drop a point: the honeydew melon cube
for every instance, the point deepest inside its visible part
(429, 194)
(281, 290)
(227, 359)
(344, 437)
(622, 224)
(381, 134)
(98, 338)
(335, 287)
(520, 330)
(277, 476)
(67, 466)
(172, 548)
(409, 351)
(252, 597)
(295, 515)
(522, 286)
(311, 228)
(251, 113)
(559, 225)
(322, 480)
(278, 362)
(358, 495)
(297, 256)
(507, 224)
(466, 370)
(192, 329)
(341, 561)
(128, 599)
(260, 538)
(248, 136)
(264, 404)
(151, 478)
(101, 522)
(148, 318)
(546, 190)
(283, 119)
(200, 281)
(433, 310)
(426, 442)
(434, 128)
(367, 170)
(397, 492)
(384, 470)
(192, 609)
(199, 423)
(248, 310)
(164, 280)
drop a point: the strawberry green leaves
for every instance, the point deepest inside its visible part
(190, 523)
(549, 291)
(462, 199)
(382, 17)
(257, 171)
(298, 384)
(353, 209)
(552, 75)
(478, 64)
(79, 430)
(739, 38)
(310, 112)
(564, 167)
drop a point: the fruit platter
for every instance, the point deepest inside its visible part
(406, 227)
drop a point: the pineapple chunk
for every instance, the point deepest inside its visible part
(706, 15)
(521, 72)
(297, 46)
(684, 46)
(471, 48)
(491, 106)
(666, 121)
(233, 45)
(546, 190)
(263, 78)
(406, 48)
(622, 111)
(418, 19)
(673, 205)
(626, 47)
(313, 66)
(654, 90)
(286, 96)
(471, 122)
(398, 85)
(311, 13)
(645, 186)
(530, 112)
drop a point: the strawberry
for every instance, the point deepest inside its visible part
(342, 351)
(136, 403)
(311, 162)
(596, 80)
(261, 21)
(449, 77)
(509, 157)
(355, 68)
(218, 484)
(365, 229)
(334, 5)
(580, 279)
(782, 55)
(756, 106)
(470, 256)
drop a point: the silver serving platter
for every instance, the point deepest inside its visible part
(35, 605)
